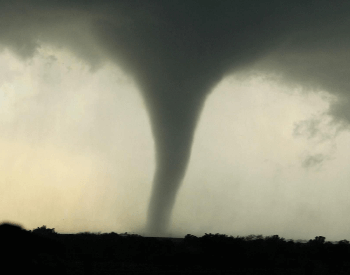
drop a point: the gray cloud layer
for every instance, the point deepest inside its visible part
(177, 51)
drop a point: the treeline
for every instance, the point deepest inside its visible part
(271, 252)
(85, 253)
(211, 252)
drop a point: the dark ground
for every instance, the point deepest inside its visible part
(45, 252)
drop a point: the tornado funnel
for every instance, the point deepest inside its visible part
(174, 77)
(176, 54)
(174, 115)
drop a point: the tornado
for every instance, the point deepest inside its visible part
(177, 54)
(174, 84)
(173, 125)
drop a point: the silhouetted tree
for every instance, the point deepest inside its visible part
(44, 231)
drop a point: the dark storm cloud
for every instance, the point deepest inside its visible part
(177, 51)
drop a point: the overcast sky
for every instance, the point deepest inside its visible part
(270, 150)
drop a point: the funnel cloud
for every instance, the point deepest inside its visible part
(178, 51)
